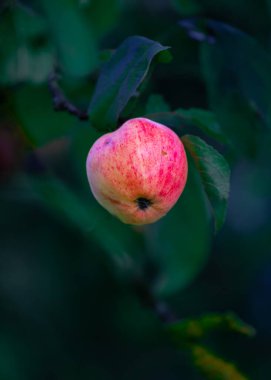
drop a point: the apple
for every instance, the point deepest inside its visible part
(138, 172)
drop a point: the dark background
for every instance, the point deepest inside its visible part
(68, 307)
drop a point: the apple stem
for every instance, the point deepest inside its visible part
(60, 102)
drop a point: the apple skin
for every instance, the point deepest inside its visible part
(138, 172)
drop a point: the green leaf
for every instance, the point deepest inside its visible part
(182, 120)
(215, 175)
(103, 15)
(72, 35)
(180, 242)
(195, 329)
(37, 118)
(204, 120)
(156, 103)
(187, 334)
(238, 85)
(170, 119)
(123, 244)
(120, 78)
(212, 367)
(82, 140)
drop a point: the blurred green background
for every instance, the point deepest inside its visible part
(69, 309)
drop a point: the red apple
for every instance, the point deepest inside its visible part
(138, 171)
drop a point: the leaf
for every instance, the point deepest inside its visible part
(156, 103)
(181, 121)
(204, 120)
(238, 85)
(37, 118)
(82, 140)
(212, 367)
(118, 240)
(73, 37)
(215, 175)
(120, 78)
(103, 15)
(186, 334)
(171, 120)
(197, 328)
(180, 242)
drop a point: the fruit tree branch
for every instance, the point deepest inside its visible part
(60, 102)
(161, 310)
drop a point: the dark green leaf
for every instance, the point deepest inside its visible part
(215, 175)
(120, 241)
(103, 15)
(72, 35)
(212, 366)
(170, 119)
(165, 56)
(156, 103)
(82, 140)
(180, 242)
(194, 329)
(182, 120)
(120, 78)
(204, 120)
(239, 84)
(35, 113)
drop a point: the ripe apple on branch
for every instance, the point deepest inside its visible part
(139, 171)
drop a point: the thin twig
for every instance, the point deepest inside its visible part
(60, 102)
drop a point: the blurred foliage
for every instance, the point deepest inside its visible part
(25, 52)
(70, 272)
(190, 330)
(37, 118)
(238, 85)
(213, 367)
(190, 333)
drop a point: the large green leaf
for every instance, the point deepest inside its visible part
(72, 35)
(204, 120)
(171, 120)
(215, 175)
(37, 117)
(180, 241)
(182, 120)
(120, 78)
(237, 74)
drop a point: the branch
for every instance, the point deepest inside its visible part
(60, 102)
(161, 310)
